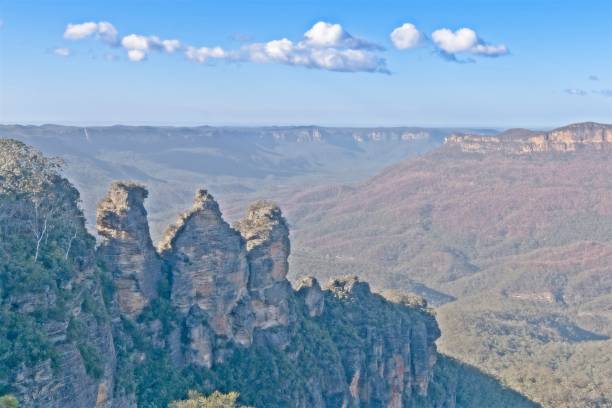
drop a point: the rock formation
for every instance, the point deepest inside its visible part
(267, 242)
(522, 141)
(215, 310)
(209, 277)
(390, 358)
(310, 291)
(56, 344)
(126, 246)
(209, 263)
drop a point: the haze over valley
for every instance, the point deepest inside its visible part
(306, 204)
(238, 165)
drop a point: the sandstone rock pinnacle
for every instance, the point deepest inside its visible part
(126, 246)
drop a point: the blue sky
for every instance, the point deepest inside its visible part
(519, 63)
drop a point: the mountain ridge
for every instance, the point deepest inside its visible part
(512, 250)
(123, 325)
(570, 138)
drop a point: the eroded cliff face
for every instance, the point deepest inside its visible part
(389, 357)
(128, 325)
(522, 141)
(267, 241)
(209, 280)
(233, 304)
(56, 343)
(126, 246)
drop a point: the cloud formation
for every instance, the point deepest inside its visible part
(456, 46)
(324, 46)
(139, 46)
(464, 41)
(575, 91)
(61, 52)
(203, 54)
(327, 35)
(405, 36)
(103, 30)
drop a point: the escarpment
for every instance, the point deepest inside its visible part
(56, 344)
(232, 300)
(570, 138)
(131, 326)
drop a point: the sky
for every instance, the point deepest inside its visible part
(505, 63)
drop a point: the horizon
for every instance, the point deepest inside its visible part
(310, 125)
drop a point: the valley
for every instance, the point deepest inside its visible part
(507, 235)
(512, 244)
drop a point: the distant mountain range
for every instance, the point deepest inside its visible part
(570, 138)
(237, 164)
(117, 323)
(510, 235)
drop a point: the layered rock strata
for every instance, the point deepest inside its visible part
(126, 246)
(267, 241)
(212, 308)
(570, 138)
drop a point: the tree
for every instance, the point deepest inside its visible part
(35, 199)
(214, 400)
(8, 401)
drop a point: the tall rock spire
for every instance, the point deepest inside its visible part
(126, 246)
(209, 265)
(267, 241)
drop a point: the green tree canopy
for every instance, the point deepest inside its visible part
(214, 400)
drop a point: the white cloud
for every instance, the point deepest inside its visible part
(107, 32)
(575, 91)
(136, 55)
(324, 34)
(139, 46)
(451, 42)
(203, 54)
(79, 31)
(135, 42)
(324, 46)
(328, 35)
(405, 36)
(465, 41)
(62, 52)
(171, 46)
(103, 30)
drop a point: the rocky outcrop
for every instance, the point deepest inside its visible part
(267, 241)
(230, 284)
(213, 310)
(56, 343)
(309, 290)
(389, 358)
(570, 138)
(209, 278)
(209, 263)
(126, 246)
